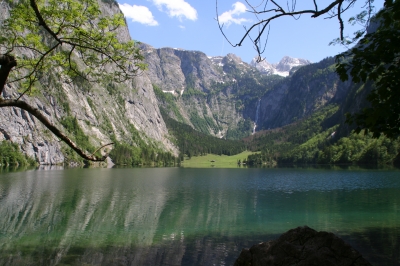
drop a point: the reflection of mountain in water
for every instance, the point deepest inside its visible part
(96, 219)
(64, 215)
(166, 216)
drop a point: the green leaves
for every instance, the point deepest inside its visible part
(376, 59)
(70, 36)
(10, 154)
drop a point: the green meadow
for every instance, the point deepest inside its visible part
(214, 160)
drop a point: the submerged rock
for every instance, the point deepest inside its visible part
(302, 246)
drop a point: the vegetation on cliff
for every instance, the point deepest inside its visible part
(10, 154)
(129, 155)
(320, 139)
(138, 152)
(194, 143)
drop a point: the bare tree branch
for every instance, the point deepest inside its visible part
(340, 20)
(282, 12)
(105, 145)
(315, 5)
(327, 9)
(268, 13)
(22, 94)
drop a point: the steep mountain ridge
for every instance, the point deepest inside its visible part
(307, 90)
(212, 94)
(229, 98)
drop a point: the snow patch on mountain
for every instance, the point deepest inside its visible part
(281, 68)
(217, 60)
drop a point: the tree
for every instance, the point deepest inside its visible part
(376, 59)
(40, 36)
(271, 10)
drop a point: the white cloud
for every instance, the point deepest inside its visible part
(227, 17)
(139, 14)
(177, 8)
(182, 27)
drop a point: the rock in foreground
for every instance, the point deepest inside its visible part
(302, 246)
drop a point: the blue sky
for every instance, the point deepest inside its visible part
(191, 25)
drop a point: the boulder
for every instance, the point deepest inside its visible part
(302, 246)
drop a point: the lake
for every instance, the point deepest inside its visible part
(181, 216)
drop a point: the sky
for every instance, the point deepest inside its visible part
(192, 25)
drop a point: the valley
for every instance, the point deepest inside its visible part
(189, 104)
(117, 151)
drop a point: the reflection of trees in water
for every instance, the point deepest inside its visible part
(198, 251)
(161, 218)
(377, 245)
(51, 216)
(79, 217)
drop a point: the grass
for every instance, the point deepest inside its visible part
(216, 161)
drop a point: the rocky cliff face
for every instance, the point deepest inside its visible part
(174, 70)
(298, 96)
(102, 110)
(228, 95)
(208, 91)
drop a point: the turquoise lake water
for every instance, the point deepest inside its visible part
(180, 216)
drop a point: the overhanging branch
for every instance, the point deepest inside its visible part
(36, 113)
(268, 13)
(42, 22)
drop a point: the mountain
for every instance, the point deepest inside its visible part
(219, 96)
(214, 95)
(307, 90)
(288, 120)
(281, 68)
(226, 97)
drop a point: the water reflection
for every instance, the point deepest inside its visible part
(174, 216)
(50, 167)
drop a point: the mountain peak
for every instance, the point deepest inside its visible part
(287, 63)
(281, 68)
(234, 57)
